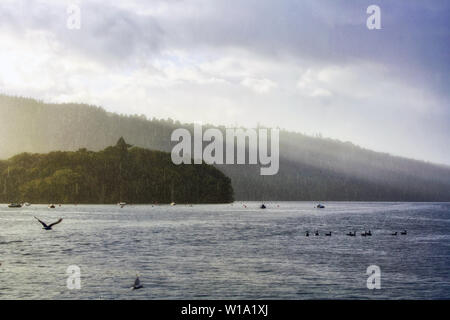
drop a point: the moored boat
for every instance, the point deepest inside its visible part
(14, 205)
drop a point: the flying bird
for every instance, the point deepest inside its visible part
(137, 284)
(48, 227)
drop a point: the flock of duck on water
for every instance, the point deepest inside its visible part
(353, 234)
(350, 234)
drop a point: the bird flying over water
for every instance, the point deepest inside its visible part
(48, 227)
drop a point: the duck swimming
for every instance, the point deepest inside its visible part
(137, 284)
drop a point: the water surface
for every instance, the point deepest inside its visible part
(227, 251)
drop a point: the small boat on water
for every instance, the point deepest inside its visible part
(173, 204)
(51, 206)
(14, 205)
(320, 206)
(404, 233)
(263, 206)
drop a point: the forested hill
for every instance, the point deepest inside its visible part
(311, 168)
(116, 174)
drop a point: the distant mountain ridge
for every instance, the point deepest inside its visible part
(311, 168)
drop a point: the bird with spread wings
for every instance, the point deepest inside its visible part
(48, 227)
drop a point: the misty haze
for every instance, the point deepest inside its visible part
(248, 151)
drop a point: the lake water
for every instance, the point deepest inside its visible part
(227, 251)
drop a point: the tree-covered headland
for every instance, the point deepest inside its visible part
(115, 174)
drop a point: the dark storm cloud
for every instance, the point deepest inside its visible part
(414, 40)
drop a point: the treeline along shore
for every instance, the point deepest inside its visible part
(311, 168)
(115, 174)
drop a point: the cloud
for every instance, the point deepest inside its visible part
(259, 85)
(309, 66)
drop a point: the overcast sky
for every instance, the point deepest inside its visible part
(310, 66)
